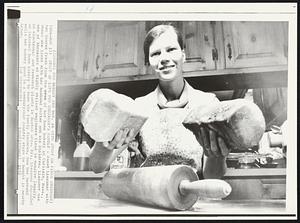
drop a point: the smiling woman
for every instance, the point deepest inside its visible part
(163, 48)
(166, 56)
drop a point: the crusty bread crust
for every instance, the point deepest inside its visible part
(105, 112)
(240, 122)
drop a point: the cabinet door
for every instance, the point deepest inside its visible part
(119, 48)
(199, 45)
(74, 45)
(254, 44)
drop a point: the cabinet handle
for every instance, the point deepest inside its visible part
(214, 54)
(97, 61)
(229, 51)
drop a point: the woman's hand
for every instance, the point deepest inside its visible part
(213, 145)
(215, 150)
(103, 153)
(121, 140)
(133, 148)
(137, 157)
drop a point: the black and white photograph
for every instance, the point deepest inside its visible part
(151, 111)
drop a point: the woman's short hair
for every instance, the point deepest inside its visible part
(155, 32)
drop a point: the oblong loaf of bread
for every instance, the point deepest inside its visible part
(106, 111)
(240, 122)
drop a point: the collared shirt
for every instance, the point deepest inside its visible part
(181, 102)
(155, 100)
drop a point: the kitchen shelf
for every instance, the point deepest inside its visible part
(243, 77)
(255, 172)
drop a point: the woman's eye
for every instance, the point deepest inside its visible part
(172, 49)
(154, 54)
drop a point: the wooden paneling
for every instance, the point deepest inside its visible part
(121, 50)
(74, 49)
(254, 44)
(78, 184)
(199, 43)
(257, 189)
(256, 184)
(77, 188)
(111, 51)
(91, 50)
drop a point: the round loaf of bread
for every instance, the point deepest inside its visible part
(240, 122)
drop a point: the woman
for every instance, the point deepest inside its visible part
(163, 48)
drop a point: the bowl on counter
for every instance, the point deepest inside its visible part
(248, 160)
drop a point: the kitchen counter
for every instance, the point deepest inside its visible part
(254, 184)
(111, 207)
(256, 192)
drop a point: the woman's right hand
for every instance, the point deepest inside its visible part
(103, 153)
(121, 139)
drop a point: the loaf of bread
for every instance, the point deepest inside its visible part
(105, 112)
(239, 122)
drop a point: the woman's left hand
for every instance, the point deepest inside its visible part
(213, 145)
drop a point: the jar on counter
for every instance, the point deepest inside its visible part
(81, 157)
(246, 162)
(121, 161)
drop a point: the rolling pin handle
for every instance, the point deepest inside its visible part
(208, 188)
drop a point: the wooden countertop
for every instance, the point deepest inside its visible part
(110, 207)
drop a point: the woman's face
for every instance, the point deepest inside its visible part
(166, 56)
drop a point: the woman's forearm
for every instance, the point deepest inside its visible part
(214, 167)
(100, 157)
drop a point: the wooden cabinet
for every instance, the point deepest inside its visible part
(199, 46)
(254, 44)
(78, 184)
(256, 184)
(118, 49)
(112, 51)
(74, 44)
(227, 47)
(91, 50)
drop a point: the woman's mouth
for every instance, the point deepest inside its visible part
(165, 68)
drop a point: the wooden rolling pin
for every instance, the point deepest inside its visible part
(174, 187)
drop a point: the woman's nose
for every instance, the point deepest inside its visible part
(164, 61)
(164, 58)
